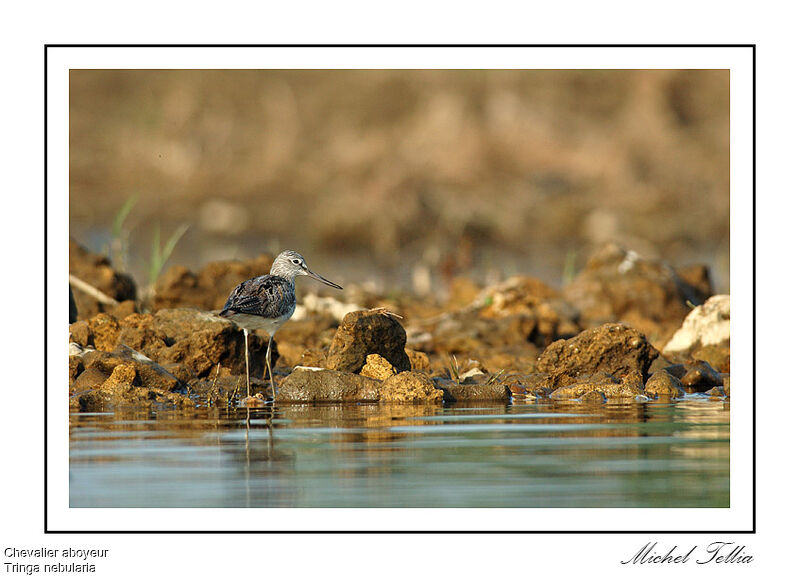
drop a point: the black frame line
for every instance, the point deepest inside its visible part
(750, 531)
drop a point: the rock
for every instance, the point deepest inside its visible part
(410, 386)
(465, 332)
(419, 360)
(89, 379)
(123, 309)
(620, 285)
(634, 380)
(138, 331)
(611, 348)
(365, 332)
(705, 335)
(75, 368)
(473, 392)
(80, 333)
(717, 391)
(531, 384)
(105, 330)
(123, 376)
(182, 373)
(696, 376)
(315, 332)
(609, 385)
(306, 385)
(377, 368)
(96, 270)
(152, 375)
(708, 324)
(516, 295)
(200, 340)
(208, 289)
(663, 384)
(717, 356)
(122, 380)
(593, 397)
(527, 298)
(517, 311)
(726, 384)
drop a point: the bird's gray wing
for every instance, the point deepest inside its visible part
(245, 298)
(266, 296)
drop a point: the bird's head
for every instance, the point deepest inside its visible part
(290, 264)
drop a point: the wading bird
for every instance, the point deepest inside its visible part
(267, 302)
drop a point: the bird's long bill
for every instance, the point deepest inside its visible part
(322, 279)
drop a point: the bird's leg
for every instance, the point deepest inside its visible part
(269, 367)
(247, 361)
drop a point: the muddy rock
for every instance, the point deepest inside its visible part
(593, 397)
(419, 360)
(705, 333)
(377, 368)
(122, 380)
(517, 311)
(453, 391)
(207, 289)
(315, 332)
(105, 330)
(528, 297)
(96, 270)
(123, 377)
(228, 388)
(365, 332)
(611, 386)
(620, 285)
(464, 332)
(193, 338)
(410, 387)
(89, 379)
(514, 296)
(306, 386)
(200, 340)
(151, 374)
(75, 368)
(80, 333)
(717, 356)
(696, 376)
(663, 384)
(528, 385)
(139, 332)
(611, 348)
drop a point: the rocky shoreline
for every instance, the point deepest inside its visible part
(625, 329)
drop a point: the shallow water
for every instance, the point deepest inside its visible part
(549, 454)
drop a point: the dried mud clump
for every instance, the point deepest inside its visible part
(364, 332)
(208, 288)
(96, 271)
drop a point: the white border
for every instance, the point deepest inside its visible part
(737, 517)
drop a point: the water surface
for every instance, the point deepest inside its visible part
(553, 454)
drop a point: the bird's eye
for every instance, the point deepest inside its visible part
(296, 261)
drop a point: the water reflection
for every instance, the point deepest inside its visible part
(545, 454)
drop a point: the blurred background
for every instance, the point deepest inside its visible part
(402, 178)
